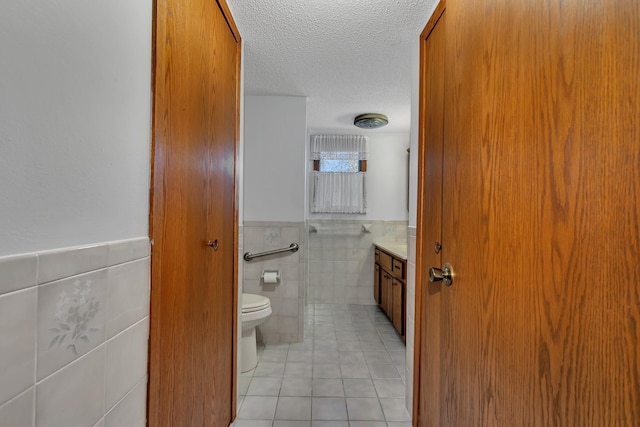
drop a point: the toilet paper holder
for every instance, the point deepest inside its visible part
(270, 276)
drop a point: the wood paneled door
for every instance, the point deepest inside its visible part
(427, 328)
(192, 347)
(535, 145)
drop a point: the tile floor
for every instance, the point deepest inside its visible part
(348, 372)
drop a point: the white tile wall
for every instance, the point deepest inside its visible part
(73, 336)
(286, 324)
(341, 259)
(53, 265)
(19, 410)
(18, 272)
(131, 410)
(73, 396)
(126, 361)
(17, 342)
(126, 250)
(127, 295)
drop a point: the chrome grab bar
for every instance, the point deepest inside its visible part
(248, 256)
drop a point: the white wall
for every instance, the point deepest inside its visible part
(387, 169)
(387, 176)
(75, 109)
(74, 122)
(415, 104)
(276, 144)
(274, 158)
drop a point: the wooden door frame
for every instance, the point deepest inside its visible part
(421, 269)
(222, 4)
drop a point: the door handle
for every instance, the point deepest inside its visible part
(213, 244)
(445, 275)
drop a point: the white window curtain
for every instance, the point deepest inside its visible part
(344, 191)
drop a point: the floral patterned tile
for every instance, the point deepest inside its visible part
(71, 319)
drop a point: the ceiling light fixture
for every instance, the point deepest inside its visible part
(371, 120)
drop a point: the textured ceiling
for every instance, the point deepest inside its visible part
(347, 57)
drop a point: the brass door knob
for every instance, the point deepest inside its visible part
(444, 275)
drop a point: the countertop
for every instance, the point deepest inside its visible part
(395, 249)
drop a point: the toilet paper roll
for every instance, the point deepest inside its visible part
(270, 277)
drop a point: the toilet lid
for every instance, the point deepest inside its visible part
(252, 302)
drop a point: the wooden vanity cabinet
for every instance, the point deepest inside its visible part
(398, 304)
(376, 283)
(386, 292)
(389, 288)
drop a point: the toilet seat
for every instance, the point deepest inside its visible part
(252, 302)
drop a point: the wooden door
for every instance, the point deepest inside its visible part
(194, 226)
(541, 214)
(426, 407)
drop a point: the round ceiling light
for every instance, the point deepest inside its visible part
(371, 120)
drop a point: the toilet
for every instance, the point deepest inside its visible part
(255, 310)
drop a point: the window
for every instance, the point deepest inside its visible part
(339, 161)
(339, 169)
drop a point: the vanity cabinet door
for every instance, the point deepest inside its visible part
(397, 311)
(386, 292)
(376, 283)
(389, 287)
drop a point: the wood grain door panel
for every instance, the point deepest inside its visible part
(193, 291)
(220, 312)
(427, 329)
(540, 217)
(534, 330)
